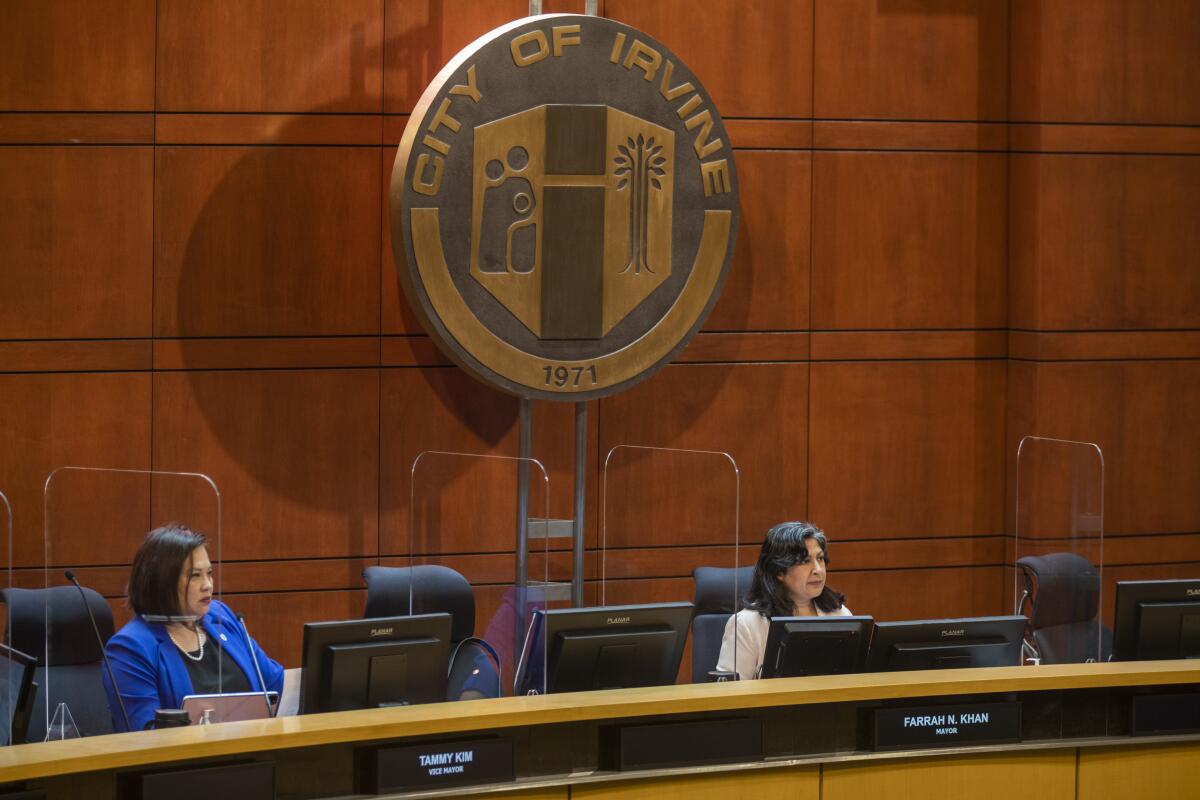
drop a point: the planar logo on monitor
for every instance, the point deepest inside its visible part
(381, 632)
(563, 206)
(616, 620)
(954, 632)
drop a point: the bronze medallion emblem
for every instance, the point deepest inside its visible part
(563, 207)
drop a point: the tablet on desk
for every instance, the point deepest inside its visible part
(232, 707)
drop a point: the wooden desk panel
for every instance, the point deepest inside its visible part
(1045, 775)
(1168, 772)
(776, 784)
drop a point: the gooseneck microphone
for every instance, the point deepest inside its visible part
(257, 669)
(100, 641)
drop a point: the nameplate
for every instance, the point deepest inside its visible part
(1158, 714)
(947, 725)
(436, 764)
(692, 743)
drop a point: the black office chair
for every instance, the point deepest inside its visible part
(72, 673)
(719, 591)
(1064, 620)
(437, 589)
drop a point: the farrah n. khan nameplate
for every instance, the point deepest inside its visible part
(947, 725)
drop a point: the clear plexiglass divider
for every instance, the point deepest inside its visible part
(480, 546)
(1058, 581)
(670, 533)
(95, 520)
(16, 669)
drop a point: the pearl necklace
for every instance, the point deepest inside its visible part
(200, 637)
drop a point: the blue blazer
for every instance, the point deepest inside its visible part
(150, 672)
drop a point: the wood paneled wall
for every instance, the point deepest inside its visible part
(964, 221)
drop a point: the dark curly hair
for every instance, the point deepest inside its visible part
(786, 545)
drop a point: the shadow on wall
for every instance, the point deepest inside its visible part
(287, 237)
(281, 238)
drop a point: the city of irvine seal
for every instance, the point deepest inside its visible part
(563, 206)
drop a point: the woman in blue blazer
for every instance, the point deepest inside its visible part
(181, 641)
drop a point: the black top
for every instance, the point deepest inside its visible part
(215, 673)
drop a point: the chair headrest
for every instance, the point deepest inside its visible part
(70, 637)
(434, 589)
(1068, 589)
(719, 590)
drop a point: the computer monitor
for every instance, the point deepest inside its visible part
(17, 692)
(799, 646)
(1157, 619)
(946, 643)
(611, 647)
(371, 663)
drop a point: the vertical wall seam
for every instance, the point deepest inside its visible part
(812, 235)
(154, 259)
(1009, 486)
(383, 221)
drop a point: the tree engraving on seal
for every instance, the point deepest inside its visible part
(645, 161)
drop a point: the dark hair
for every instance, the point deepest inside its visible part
(786, 545)
(154, 577)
